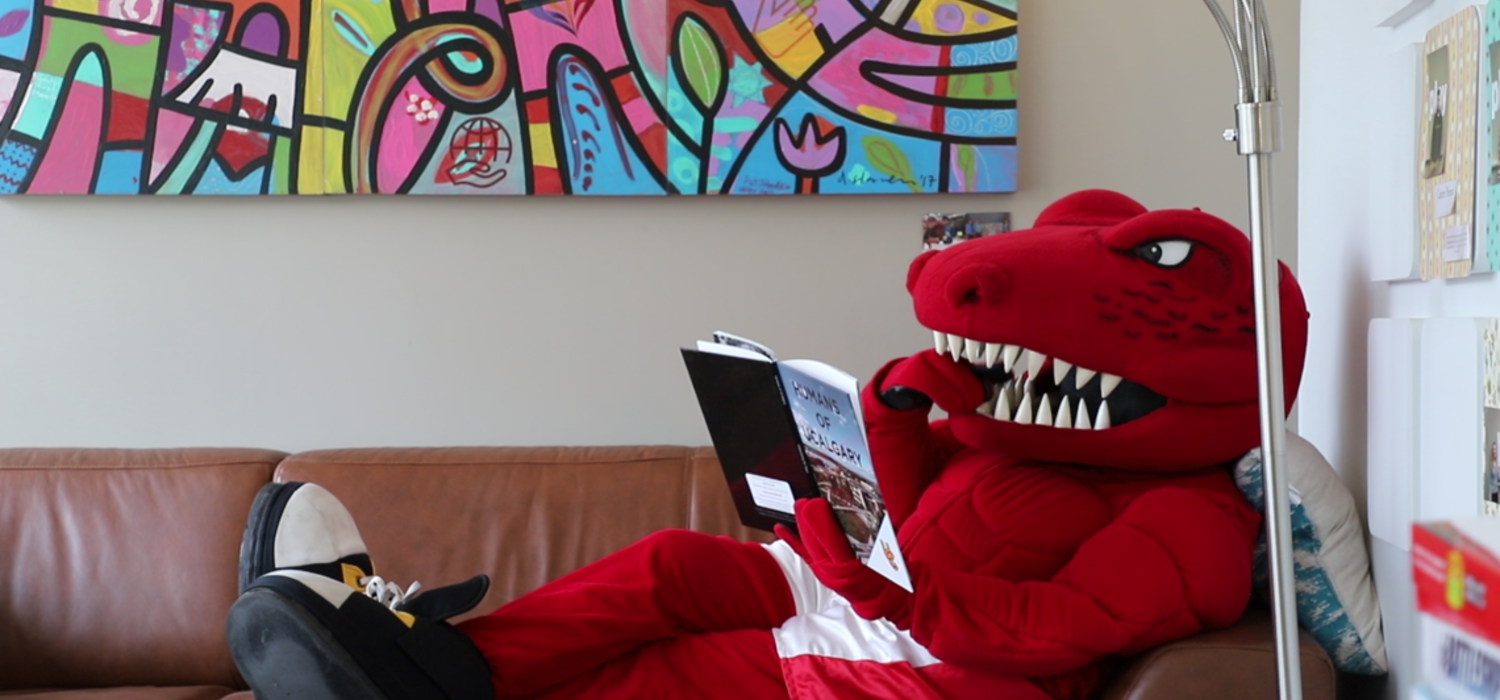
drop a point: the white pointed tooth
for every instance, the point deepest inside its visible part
(1082, 376)
(973, 349)
(1081, 421)
(1034, 362)
(992, 353)
(955, 346)
(1044, 411)
(1002, 406)
(1107, 383)
(1059, 371)
(940, 342)
(1101, 421)
(1023, 416)
(1011, 353)
(1064, 415)
(986, 409)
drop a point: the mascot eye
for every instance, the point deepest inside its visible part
(1165, 253)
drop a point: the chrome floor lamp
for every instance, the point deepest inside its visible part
(1258, 134)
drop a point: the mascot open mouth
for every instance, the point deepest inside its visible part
(1030, 388)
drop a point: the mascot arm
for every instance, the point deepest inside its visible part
(1172, 564)
(907, 451)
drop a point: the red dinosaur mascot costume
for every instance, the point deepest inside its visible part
(1098, 371)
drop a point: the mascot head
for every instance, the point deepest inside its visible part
(1108, 335)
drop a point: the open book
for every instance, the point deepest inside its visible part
(788, 430)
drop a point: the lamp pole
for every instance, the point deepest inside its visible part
(1257, 133)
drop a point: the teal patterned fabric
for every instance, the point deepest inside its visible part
(1319, 609)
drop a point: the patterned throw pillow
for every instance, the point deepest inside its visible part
(1336, 600)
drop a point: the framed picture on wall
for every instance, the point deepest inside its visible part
(1448, 146)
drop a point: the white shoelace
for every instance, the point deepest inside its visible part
(388, 593)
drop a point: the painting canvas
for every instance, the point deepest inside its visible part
(606, 97)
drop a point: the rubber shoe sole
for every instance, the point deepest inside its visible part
(312, 637)
(285, 653)
(258, 545)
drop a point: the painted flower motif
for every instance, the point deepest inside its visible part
(810, 153)
(421, 108)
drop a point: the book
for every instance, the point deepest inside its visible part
(791, 429)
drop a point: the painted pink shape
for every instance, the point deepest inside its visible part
(436, 6)
(404, 137)
(171, 130)
(644, 21)
(925, 84)
(535, 40)
(72, 155)
(138, 11)
(640, 115)
(8, 82)
(840, 82)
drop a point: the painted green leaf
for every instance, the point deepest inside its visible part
(702, 63)
(966, 166)
(887, 158)
(351, 32)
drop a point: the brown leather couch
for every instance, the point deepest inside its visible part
(117, 567)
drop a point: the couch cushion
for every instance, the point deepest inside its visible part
(192, 692)
(118, 567)
(1230, 664)
(524, 516)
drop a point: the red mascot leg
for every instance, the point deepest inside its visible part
(671, 585)
(741, 664)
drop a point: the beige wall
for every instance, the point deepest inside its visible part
(298, 324)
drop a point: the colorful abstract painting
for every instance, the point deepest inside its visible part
(608, 97)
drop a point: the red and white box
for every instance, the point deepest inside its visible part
(1456, 567)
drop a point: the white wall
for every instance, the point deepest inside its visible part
(1343, 73)
(309, 323)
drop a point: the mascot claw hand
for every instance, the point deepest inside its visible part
(928, 378)
(825, 548)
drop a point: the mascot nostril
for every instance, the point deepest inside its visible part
(978, 285)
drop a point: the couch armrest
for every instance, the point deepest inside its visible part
(1230, 664)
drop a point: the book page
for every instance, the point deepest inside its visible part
(731, 351)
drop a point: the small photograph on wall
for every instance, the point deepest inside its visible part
(1492, 83)
(1434, 117)
(1491, 488)
(1490, 469)
(942, 230)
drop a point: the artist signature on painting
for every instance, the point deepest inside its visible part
(865, 178)
(756, 185)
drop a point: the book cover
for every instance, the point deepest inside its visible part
(789, 430)
(1447, 146)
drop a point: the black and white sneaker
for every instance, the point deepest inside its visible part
(296, 525)
(297, 635)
